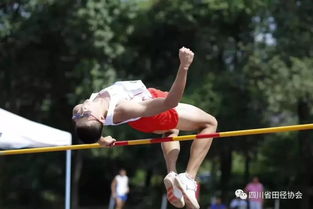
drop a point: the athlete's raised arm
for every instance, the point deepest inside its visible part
(129, 109)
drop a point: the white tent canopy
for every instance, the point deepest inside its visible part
(18, 132)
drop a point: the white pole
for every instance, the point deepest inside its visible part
(164, 202)
(276, 204)
(68, 179)
(111, 203)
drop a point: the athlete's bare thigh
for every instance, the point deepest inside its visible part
(192, 118)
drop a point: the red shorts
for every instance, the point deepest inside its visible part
(161, 122)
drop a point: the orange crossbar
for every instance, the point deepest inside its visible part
(160, 140)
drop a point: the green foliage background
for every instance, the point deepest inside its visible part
(252, 68)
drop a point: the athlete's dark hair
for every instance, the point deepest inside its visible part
(89, 131)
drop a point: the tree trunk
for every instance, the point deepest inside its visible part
(247, 166)
(226, 165)
(306, 151)
(148, 177)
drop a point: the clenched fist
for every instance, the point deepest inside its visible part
(185, 57)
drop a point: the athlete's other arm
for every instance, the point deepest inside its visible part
(129, 109)
(127, 191)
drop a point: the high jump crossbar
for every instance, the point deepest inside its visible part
(165, 139)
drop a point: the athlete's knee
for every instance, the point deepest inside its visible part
(118, 203)
(211, 123)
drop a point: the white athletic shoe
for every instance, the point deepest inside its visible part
(174, 195)
(188, 186)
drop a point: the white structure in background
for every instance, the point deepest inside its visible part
(164, 202)
(111, 203)
(17, 132)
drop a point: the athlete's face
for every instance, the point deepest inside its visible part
(255, 180)
(123, 172)
(92, 110)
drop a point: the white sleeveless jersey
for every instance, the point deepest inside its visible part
(121, 185)
(123, 90)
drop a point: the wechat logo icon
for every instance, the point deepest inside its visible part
(241, 194)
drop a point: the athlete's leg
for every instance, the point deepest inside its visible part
(192, 118)
(119, 203)
(171, 150)
(122, 204)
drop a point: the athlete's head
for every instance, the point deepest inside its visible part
(122, 172)
(255, 179)
(89, 118)
(89, 131)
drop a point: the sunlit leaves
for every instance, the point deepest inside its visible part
(283, 83)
